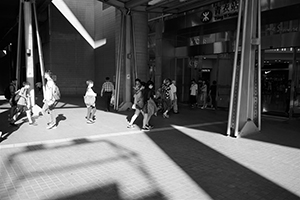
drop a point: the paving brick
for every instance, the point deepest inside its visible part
(190, 161)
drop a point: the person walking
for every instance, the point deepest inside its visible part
(23, 104)
(213, 95)
(173, 96)
(107, 90)
(138, 103)
(49, 100)
(90, 102)
(149, 95)
(10, 94)
(193, 93)
(166, 100)
(203, 95)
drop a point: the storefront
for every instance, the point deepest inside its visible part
(199, 45)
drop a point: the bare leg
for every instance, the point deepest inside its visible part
(28, 114)
(145, 120)
(133, 118)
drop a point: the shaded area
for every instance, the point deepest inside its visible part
(281, 132)
(108, 192)
(219, 176)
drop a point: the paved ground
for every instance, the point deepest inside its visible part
(184, 157)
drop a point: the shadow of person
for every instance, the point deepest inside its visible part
(10, 130)
(60, 118)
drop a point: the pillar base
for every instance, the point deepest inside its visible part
(125, 106)
(248, 129)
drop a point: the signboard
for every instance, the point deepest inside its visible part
(225, 9)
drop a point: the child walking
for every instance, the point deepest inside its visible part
(90, 102)
(23, 104)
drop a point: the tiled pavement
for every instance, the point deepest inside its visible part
(184, 157)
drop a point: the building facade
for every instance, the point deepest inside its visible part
(200, 45)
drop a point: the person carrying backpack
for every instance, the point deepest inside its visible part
(10, 93)
(23, 104)
(49, 100)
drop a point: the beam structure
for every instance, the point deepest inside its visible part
(135, 3)
(127, 57)
(244, 114)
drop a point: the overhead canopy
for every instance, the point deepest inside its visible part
(9, 11)
(159, 6)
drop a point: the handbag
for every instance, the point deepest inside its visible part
(112, 100)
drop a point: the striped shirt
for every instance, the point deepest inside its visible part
(108, 87)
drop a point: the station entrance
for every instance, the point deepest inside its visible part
(208, 68)
(277, 77)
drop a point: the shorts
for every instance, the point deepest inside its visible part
(22, 108)
(145, 108)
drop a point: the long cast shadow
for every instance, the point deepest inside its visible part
(218, 175)
(110, 191)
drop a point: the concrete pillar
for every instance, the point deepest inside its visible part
(158, 53)
(140, 44)
(29, 48)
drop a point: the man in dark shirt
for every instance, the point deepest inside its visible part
(107, 90)
(213, 94)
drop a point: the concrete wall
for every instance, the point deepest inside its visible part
(70, 57)
(105, 56)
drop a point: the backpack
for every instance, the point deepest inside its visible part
(56, 93)
(7, 93)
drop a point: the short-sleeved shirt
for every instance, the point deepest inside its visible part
(49, 91)
(204, 88)
(194, 89)
(23, 93)
(108, 86)
(173, 90)
(213, 90)
(90, 97)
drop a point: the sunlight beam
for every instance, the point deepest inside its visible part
(68, 14)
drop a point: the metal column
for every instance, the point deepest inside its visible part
(29, 48)
(127, 57)
(119, 62)
(293, 83)
(39, 44)
(244, 113)
(18, 64)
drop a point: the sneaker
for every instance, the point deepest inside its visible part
(130, 126)
(33, 124)
(165, 115)
(90, 121)
(149, 126)
(145, 128)
(12, 124)
(50, 126)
